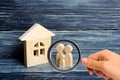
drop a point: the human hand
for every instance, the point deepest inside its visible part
(105, 64)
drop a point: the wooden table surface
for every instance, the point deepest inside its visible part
(93, 24)
(90, 41)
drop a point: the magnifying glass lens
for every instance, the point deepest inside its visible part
(64, 55)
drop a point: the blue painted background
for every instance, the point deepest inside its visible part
(60, 14)
(92, 24)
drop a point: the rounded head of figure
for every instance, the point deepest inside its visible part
(68, 49)
(60, 47)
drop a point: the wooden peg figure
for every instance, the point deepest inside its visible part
(62, 61)
(68, 56)
(59, 48)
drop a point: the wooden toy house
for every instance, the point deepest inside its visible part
(36, 43)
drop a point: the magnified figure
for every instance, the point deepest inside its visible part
(64, 55)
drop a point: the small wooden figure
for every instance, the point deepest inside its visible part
(59, 48)
(62, 61)
(36, 43)
(68, 56)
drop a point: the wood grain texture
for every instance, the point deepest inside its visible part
(98, 21)
(89, 41)
(60, 14)
(48, 76)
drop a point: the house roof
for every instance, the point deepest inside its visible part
(36, 32)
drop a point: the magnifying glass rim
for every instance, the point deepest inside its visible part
(50, 61)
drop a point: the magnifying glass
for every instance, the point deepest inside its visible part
(64, 55)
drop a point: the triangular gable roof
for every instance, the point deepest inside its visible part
(36, 32)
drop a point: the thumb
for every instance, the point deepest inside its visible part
(93, 64)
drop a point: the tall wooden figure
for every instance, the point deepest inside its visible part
(68, 56)
(59, 48)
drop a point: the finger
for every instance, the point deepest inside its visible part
(93, 64)
(100, 74)
(109, 79)
(94, 56)
(90, 71)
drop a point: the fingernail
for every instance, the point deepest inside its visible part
(85, 60)
(90, 73)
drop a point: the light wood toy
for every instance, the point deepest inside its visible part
(62, 61)
(36, 43)
(59, 48)
(68, 56)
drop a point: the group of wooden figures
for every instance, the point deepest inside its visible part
(64, 57)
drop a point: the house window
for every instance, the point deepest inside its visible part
(36, 45)
(42, 51)
(39, 49)
(41, 44)
(36, 53)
